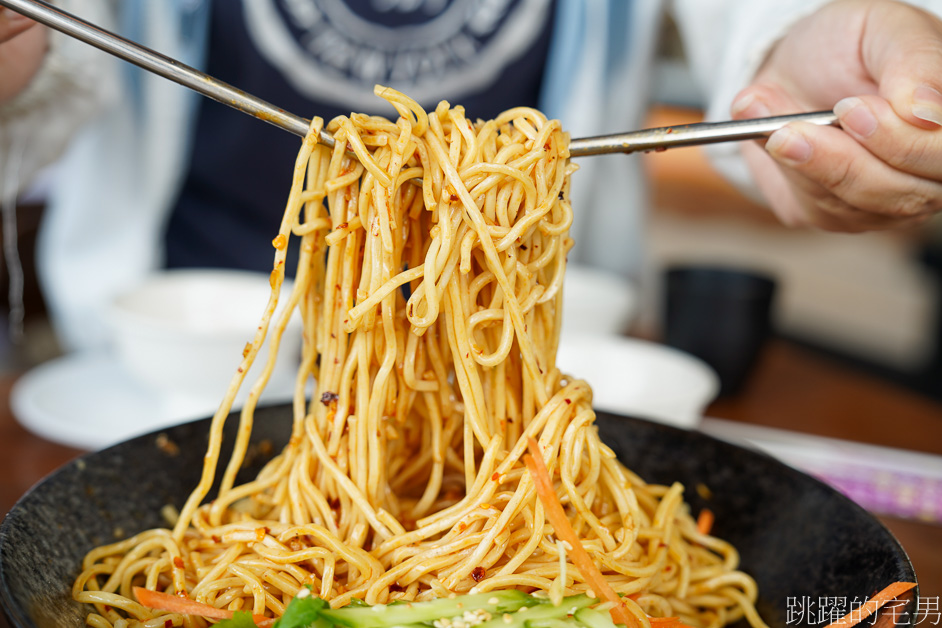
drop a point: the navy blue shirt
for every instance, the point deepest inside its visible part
(322, 57)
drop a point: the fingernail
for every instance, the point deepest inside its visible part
(789, 145)
(856, 116)
(927, 104)
(748, 106)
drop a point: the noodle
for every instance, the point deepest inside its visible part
(430, 292)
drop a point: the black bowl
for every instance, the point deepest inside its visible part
(801, 540)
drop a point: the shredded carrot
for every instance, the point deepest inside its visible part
(186, 606)
(557, 518)
(705, 521)
(872, 605)
(667, 622)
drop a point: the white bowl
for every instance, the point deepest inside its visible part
(597, 301)
(638, 378)
(182, 333)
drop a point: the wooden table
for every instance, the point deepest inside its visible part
(792, 389)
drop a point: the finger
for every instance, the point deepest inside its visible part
(829, 158)
(901, 47)
(12, 24)
(762, 100)
(800, 203)
(793, 197)
(872, 121)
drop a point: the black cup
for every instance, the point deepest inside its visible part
(721, 315)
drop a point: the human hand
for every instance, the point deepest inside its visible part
(12, 24)
(22, 48)
(879, 65)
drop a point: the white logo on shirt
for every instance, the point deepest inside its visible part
(430, 7)
(449, 48)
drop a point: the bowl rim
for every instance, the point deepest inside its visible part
(131, 322)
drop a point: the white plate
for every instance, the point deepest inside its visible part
(90, 401)
(639, 378)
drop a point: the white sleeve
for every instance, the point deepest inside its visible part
(74, 83)
(725, 42)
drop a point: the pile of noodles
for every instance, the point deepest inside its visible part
(429, 285)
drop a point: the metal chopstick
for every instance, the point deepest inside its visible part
(161, 64)
(663, 138)
(636, 141)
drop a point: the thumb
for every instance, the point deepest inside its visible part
(901, 48)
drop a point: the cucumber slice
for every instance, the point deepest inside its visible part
(592, 618)
(540, 611)
(388, 616)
